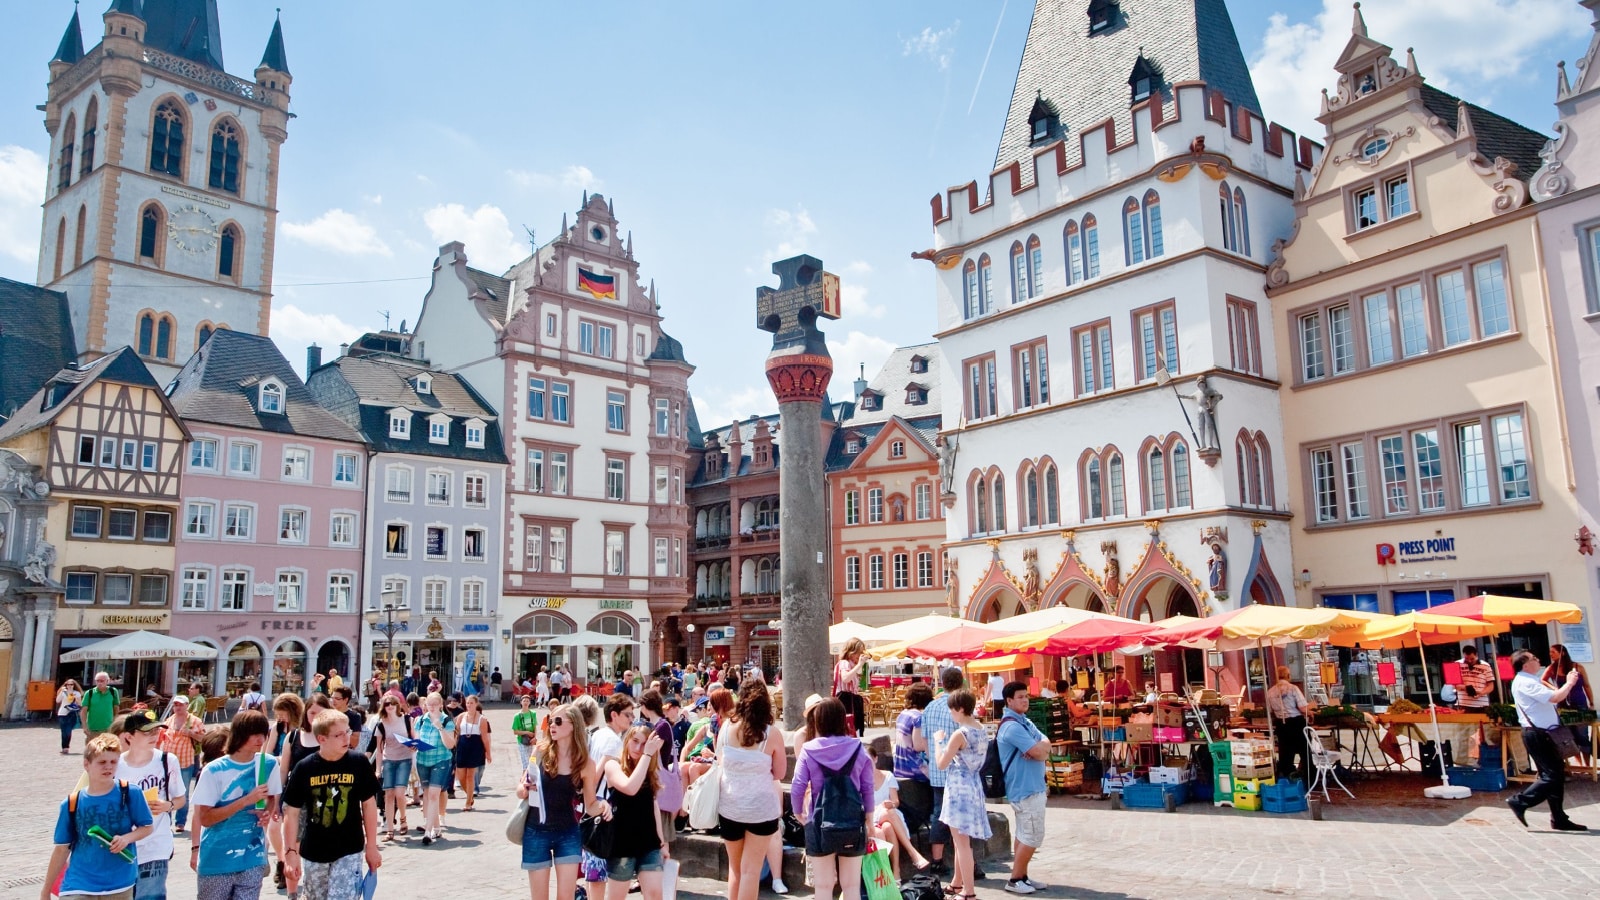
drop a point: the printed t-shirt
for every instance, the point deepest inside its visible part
(147, 780)
(238, 842)
(92, 869)
(329, 794)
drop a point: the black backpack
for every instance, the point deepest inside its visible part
(921, 887)
(993, 774)
(841, 815)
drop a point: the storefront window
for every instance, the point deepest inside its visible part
(289, 668)
(198, 671)
(244, 666)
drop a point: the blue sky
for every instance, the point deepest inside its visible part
(728, 134)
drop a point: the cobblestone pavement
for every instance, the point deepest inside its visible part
(1391, 843)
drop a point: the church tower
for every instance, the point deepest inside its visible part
(162, 197)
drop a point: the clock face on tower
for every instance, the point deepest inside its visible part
(192, 229)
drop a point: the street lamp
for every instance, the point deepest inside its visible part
(390, 620)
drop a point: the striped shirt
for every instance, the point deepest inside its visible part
(1480, 678)
(937, 718)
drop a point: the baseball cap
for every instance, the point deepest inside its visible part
(812, 700)
(139, 721)
(181, 698)
(702, 701)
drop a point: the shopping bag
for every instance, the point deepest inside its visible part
(878, 875)
(701, 801)
(669, 879)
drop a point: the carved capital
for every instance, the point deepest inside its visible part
(798, 375)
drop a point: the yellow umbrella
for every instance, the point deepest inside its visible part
(1256, 625)
(1001, 663)
(888, 651)
(1393, 632)
(1511, 610)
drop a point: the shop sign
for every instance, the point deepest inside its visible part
(766, 634)
(616, 604)
(265, 589)
(475, 627)
(1434, 549)
(158, 621)
(288, 625)
(719, 636)
(546, 602)
(1576, 639)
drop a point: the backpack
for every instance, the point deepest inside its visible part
(841, 815)
(90, 695)
(922, 887)
(993, 774)
(72, 812)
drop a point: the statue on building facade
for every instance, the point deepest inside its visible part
(36, 568)
(1030, 579)
(1207, 399)
(952, 586)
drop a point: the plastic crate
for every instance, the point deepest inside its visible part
(1481, 779)
(1221, 754)
(1247, 800)
(1284, 797)
(1116, 735)
(1154, 796)
(1113, 784)
(1250, 785)
(1489, 757)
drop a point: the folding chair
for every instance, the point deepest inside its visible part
(1323, 760)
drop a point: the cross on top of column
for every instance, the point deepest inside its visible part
(790, 311)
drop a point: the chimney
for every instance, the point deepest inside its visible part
(861, 382)
(313, 358)
(344, 350)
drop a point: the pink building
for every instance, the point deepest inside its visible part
(269, 544)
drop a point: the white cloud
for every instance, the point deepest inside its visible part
(853, 298)
(935, 45)
(374, 199)
(339, 232)
(294, 329)
(22, 177)
(491, 245)
(1296, 58)
(858, 268)
(572, 177)
(717, 407)
(849, 354)
(794, 230)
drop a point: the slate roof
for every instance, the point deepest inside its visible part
(274, 57)
(122, 366)
(219, 385)
(891, 382)
(379, 384)
(1082, 75)
(186, 28)
(924, 428)
(36, 340)
(1497, 135)
(668, 348)
(496, 288)
(70, 49)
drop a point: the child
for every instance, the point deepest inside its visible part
(115, 813)
(232, 838)
(336, 790)
(158, 776)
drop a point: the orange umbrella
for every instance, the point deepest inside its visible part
(1510, 610)
(1088, 636)
(964, 641)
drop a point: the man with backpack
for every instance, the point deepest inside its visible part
(97, 831)
(158, 775)
(1023, 750)
(99, 706)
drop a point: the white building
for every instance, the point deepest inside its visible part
(1115, 257)
(162, 201)
(595, 401)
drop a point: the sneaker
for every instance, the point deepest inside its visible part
(427, 839)
(778, 887)
(1035, 885)
(1019, 886)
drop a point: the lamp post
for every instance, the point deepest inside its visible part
(389, 620)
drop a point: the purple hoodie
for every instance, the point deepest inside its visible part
(832, 752)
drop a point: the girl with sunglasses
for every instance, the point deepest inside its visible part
(394, 762)
(559, 774)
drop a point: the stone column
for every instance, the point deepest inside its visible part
(798, 369)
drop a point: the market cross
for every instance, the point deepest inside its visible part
(804, 292)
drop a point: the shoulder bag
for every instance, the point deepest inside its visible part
(701, 799)
(597, 834)
(519, 816)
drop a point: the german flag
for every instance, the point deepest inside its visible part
(601, 287)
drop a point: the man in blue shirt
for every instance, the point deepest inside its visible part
(1023, 751)
(937, 718)
(1536, 710)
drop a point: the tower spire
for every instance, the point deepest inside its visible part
(275, 58)
(1359, 26)
(71, 47)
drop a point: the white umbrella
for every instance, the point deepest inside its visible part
(1049, 618)
(140, 645)
(841, 633)
(918, 628)
(587, 639)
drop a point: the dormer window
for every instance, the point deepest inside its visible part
(919, 365)
(475, 431)
(1044, 125)
(852, 445)
(439, 429)
(1145, 79)
(271, 397)
(1102, 15)
(871, 401)
(916, 395)
(400, 425)
(424, 384)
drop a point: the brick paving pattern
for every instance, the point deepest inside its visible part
(1391, 843)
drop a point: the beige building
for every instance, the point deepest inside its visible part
(1422, 418)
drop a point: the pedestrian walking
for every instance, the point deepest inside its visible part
(961, 755)
(473, 747)
(525, 726)
(748, 804)
(1536, 710)
(100, 706)
(336, 792)
(833, 752)
(638, 848)
(911, 758)
(156, 774)
(559, 780)
(438, 731)
(1023, 751)
(98, 828)
(180, 736)
(542, 686)
(395, 761)
(233, 799)
(288, 711)
(69, 703)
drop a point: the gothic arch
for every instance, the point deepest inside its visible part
(1157, 563)
(1260, 584)
(997, 583)
(230, 251)
(226, 164)
(169, 136)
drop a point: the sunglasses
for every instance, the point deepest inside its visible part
(557, 720)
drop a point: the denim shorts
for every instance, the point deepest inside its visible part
(396, 773)
(436, 775)
(152, 883)
(542, 845)
(627, 868)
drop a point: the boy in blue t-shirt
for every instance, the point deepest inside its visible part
(94, 868)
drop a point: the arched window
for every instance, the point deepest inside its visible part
(228, 252)
(1019, 274)
(1091, 248)
(69, 137)
(91, 118)
(999, 503)
(766, 576)
(1155, 479)
(166, 139)
(147, 334)
(1052, 496)
(1230, 227)
(61, 244)
(1074, 247)
(152, 224)
(1035, 266)
(1030, 497)
(985, 285)
(77, 243)
(969, 290)
(202, 335)
(1094, 507)
(1133, 231)
(1114, 486)
(1154, 243)
(1243, 220)
(1264, 470)
(164, 337)
(224, 170)
(1249, 465)
(1181, 495)
(980, 506)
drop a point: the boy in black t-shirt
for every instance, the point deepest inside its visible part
(336, 791)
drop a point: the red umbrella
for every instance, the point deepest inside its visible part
(965, 641)
(1089, 636)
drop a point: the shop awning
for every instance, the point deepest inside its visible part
(140, 645)
(1008, 663)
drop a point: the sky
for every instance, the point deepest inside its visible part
(728, 135)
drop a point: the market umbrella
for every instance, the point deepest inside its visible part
(1394, 632)
(1509, 611)
(964, 641)
(140, 645)
(918, 628)
(1088, 636)
(841, 633)
(1052, 615)
(1007, 663)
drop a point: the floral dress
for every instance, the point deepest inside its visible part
(964, 808)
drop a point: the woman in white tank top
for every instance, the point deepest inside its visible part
(751, 752)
